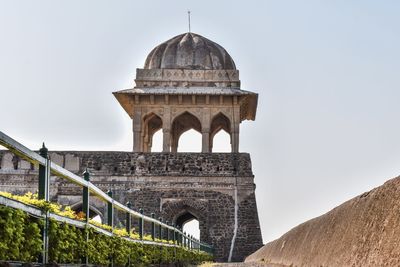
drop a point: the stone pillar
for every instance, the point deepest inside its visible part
(174, 142)
(205, 148)
(205, 131)
(235, 130)
(174, 147)
(235, 141)
(137, 131)
(149, 143)
(166, 140)
(167, 130)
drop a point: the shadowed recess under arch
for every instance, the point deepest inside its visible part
(182, 123)
(151, 124)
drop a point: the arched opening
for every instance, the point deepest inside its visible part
(184, 122)
(189, 224)
(157, 141)
(220, 141)
(190, 141)
(192, 228)
(152, 124)
(94, 214)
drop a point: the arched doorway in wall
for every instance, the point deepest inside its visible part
(220, 134)
(188, 127)
(152, 133)
(189, 213)
(189, 224)
(94, 214)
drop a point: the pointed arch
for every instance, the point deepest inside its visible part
(151, 124)
(186, 210)
(182, 123)
(93, 211)
(220, 122)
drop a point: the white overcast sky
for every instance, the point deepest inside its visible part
(327, 74)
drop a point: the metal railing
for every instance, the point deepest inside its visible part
(47, 168)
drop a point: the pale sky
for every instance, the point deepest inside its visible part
(327, 75)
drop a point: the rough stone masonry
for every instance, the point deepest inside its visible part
(175, 186)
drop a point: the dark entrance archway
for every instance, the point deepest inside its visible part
(189, 223)
(94, 213)
(183, 211)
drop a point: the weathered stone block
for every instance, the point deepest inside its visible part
(57, 159)
(7, 161)
(72, 162)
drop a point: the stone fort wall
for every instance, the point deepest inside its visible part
(167, 184)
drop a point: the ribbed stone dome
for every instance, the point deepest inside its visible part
(189, 51)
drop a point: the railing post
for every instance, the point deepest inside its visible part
(174, 235)
(43, 193)
(141, 224)
(184, 240)
(110, 210)
(128, 228)
(42, 173)
(167, 235)
(180, 236)
(128, 218)
(160, 229)
(153, 227)
(85, 197)
(86, 210)
(110, 220)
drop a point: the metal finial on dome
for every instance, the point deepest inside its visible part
(189, 19)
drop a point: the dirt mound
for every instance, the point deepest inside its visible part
(364, 231)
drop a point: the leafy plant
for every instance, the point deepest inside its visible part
(19, 235)
(21, 240)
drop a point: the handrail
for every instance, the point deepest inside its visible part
(36, 212)
(36, 159)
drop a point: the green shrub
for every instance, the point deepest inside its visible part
(20, 237)
(66, 243)
(20, 240)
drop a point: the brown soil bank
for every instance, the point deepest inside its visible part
(364, 231)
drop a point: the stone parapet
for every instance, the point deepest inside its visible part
(143, 164)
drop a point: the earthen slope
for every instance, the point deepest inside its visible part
(364, 231)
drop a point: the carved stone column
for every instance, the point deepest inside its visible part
(205, 148)
(166, 140)
(174, 145)
(137, 131)
(235, 141)
(235, 130)
(205, 130)
(167, 129)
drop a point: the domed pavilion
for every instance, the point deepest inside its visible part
(188, 82)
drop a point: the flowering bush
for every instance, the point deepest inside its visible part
(20, 240)
(32, 199)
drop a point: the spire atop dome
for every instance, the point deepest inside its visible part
(189, 19)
